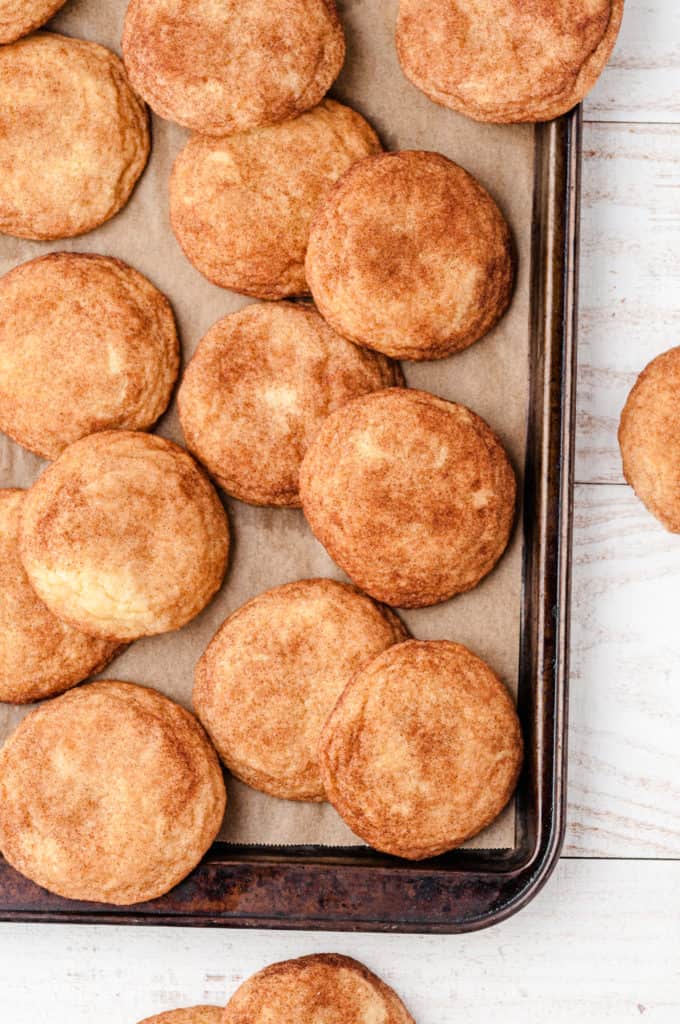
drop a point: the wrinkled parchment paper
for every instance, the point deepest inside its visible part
(272, 546)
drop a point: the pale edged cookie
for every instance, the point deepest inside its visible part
(259, 386)
(412, 496)
(124, 536)
(220, 68)
(188, 1015)
(649, 438)
(75, 137)
(19, 17)
(423, 750)
(241, 207)
(39, 654)
(409, 255)
(110, 793)
(508, 61)
(273, 673)
(86, 344)
(324, 988)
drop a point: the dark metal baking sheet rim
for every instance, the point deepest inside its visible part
(358, 889)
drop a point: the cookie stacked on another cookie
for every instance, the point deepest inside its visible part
(273, 673)
(410, 256)
(241, 207)
(412, 496)
(258, 388)
(423, 750)
(325, 988)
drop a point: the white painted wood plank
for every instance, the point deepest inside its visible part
(642, 80)
(600, 944)
(630, 277)
(624, 758)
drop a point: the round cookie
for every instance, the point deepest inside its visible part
(413, 497)
(273, 673)
(242, 207)
(39, 654)
(75, 138)
(324, 988)
(110, 793)
(649, 437)
(410, 256)
(508, 61)
(190, 1015)
(86, 344)
(124, 536)
(423, 750)
(19, 17)
(259, 386)
(221, 68)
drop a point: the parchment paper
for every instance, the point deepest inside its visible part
(271, 546)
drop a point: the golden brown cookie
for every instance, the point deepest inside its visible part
(124, 536)
(110, 793)
(241, 207)
(220, 68)
(273, 672)
(423, 749)
(86, 344)
(190, 1015)
(75, 138)
(39, 654)
(413, 497)
(649, 437)
(508, 61)
(324, 988)
(18, 17)
(409, 255)
(259, 386)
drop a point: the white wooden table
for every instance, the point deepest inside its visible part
(602, 942)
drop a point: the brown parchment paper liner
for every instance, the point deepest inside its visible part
(271, 546)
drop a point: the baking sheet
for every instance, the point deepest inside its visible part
(274, 546)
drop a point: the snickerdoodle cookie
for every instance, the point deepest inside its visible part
(241, 207)
(508, 60)
(124, 536)
(39, 654)
(19, 17)
(324, 988)
(649, 436)
(86, 344)
(413, 497)
(423, 749)
(75, 137)
(273, 672)
(220, 68)
(110, 793)
(189, 1015)
(409, 255)
(259, 386)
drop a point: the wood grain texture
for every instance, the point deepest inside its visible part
(602, 944)
(630, 277)
(624, 757)
(642, 80)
